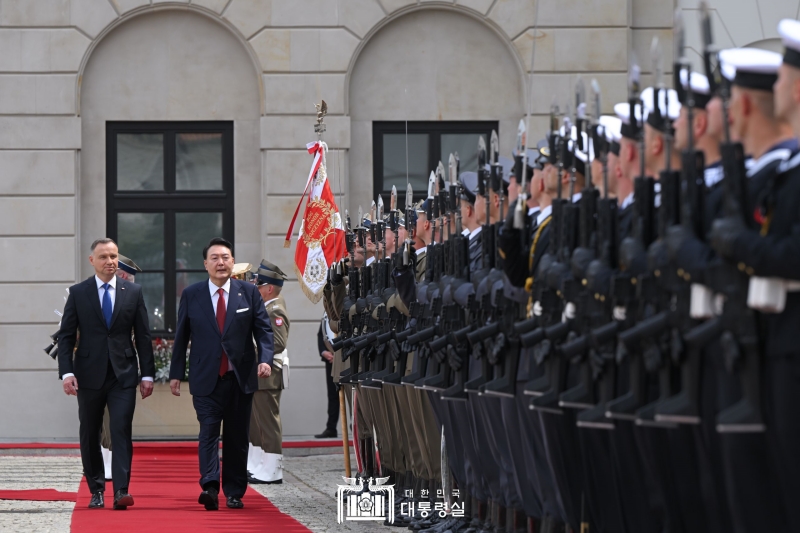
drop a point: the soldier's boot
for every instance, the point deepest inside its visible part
(516, 521)
(478, 516)
(369, 458)
(488, 524)
(421, 522)
(405, 481)
(500, 519)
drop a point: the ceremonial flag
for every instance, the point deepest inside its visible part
(320, 241)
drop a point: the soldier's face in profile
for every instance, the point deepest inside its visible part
(513, 189)
(467, 210)
(597, 174)
(736, 113)
(480, 208)
(389, 239)
(614, 173)
(785, 89)
(715, 117)
(681, 132)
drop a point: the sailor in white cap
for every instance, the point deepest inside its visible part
(609, 127)
(766, 139)
(771, 256)
(707, 127)
(658, 123)
(629, 164)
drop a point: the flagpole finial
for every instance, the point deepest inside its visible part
(322, 110)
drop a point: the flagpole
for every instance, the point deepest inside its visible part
(319, 128)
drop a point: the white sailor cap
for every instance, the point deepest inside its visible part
(755, 68)
(789, 29)
(701, 90)
(626, 129)
(611, 129)
(669, 107)
(581, 157)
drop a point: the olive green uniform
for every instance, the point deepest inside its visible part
(265, 421)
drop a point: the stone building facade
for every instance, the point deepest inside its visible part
(68, 68)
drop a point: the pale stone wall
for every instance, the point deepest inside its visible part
(67, 66)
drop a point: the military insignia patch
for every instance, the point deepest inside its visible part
(279, 321)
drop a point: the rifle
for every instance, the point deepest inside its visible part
(736, 326)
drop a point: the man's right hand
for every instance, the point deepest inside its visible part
(175, 387)
(70, 386)
(328, 356)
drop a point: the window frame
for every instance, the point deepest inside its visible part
(435, 130)
(169, 200)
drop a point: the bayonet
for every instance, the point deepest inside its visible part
(494, 145)
(440, 173)
(600, 136)
(381, 234)
(411, 228)
(393, 199)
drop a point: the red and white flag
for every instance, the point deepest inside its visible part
(320, 241)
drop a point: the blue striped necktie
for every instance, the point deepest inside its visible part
(107, 307)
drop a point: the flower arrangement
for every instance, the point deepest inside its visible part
(162, 353)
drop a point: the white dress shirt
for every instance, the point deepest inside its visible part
(370, 260)
(475, 232)
(112, 290)
(533, 210)
(112, 293)
(543, 214)
(421, 250)
(215, 298)
(627, 201)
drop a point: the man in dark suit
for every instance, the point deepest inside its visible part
(324, 336)
(222, 317)
(106, 310)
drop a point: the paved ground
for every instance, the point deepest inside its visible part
(308, 493)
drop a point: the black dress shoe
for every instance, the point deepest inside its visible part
(97, 501)
(235, 503)
(327, 434)
(210, 499)
(255, 481)
(122, 500)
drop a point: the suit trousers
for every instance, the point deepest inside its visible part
(333, 399)
(91, 405)
(229, 407)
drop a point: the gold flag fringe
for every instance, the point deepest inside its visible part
(314, 297)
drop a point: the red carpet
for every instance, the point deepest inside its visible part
(39, 495)
(323, 443)
(164, 485)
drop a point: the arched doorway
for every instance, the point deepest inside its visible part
(170, 127)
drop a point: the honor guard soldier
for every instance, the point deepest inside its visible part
(265, 460)
(469, 218)
(771, 256)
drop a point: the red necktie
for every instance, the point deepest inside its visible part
(221, 312)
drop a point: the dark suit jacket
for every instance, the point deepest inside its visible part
(245, 319)
(98, 343)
